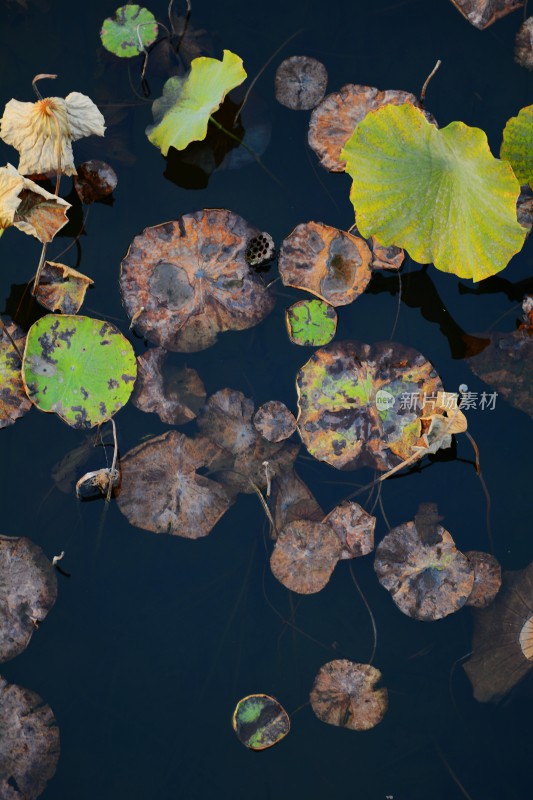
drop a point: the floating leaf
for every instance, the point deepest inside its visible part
(427, 576)
(517, 146)
(502, 643)
(14, 401)
(95, 179)
(40, 130)
(355, 403)
(391, 257)
(305, 555)
(523, 53)
(62, 288)
(487, 579)
(82, 369)
(28, 590)
(274, 421)
(175, 395)
(354, 527)
(129, 31)
(260, 721)
(344, 694)
(29, 207)
(29, 746)
(300, 82)
(506, 364)
(329, 263)
(182, 114)
(226, 419)
(482, 13)
(311, 322)
(334, 120)
(291, 500)
(440, 194)
(97, 483)
(185, 282)
(162, 492)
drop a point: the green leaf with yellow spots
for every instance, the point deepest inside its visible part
(440, 194)
(517, 146)
(82, 369)
(182, 114)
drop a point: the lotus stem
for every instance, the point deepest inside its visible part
(39, 268)
(426, 82)
(13, 343)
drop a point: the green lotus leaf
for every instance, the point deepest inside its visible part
(182, 114)
(123, 33)
(82, 369)
(440, 194)
(517, 146)
(260, 721)
(311, 322)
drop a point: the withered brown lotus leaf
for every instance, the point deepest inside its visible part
(524, 206)
(506, 365)
(61, 288)
(274, 421)
(305, 555)
(14, 402)
(487, 578)
(95, 180)
(344, 694)
(226, 419)
(291, 499)
(330, 263)
(29, 744)
(350, 399)
(523, 52)
(354, 527)
(334, 119)
(502, 642)
(428, 578)
(175, 396)
(162, 492)
(184, 282)
(300, 82)
(482, 13)
(28, 590)
(391, 257)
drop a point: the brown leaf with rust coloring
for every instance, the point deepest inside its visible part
(300, 82)
(94, 181)
(354, 527)
(226, 419)
(162, 492)
(61, 288)
(184, 282)
(334, 119)
(14, 402)
(305, 555)
(487, 579)
(523, 53)
(427, 579)
(29, 745)
(28, 590)
(391, 257)
(330, 263)
(291, 499)
(175, 395)
(482, 13)
(274, 421)
(345, 694)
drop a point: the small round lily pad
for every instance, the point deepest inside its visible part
(345, 694)
(300, 82)
(274, 421)
(129, 31)
(305, 555)
(311, 322)
(354, 527)
(260, 721)
(82, 369)
(94, 181)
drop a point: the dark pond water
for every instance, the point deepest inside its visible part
(153, 639)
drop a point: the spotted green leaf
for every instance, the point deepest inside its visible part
(260, 721)
(182, 114)
(123, 33)
(311, 322)
(517, 146)
(440, 194)
(82, 369)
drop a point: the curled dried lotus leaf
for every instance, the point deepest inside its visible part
(260, 721)
(482, 13)
(29, 207)
(61, 288)
(345, 694)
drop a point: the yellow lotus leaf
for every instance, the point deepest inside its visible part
(29, 207)
(34, 129)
